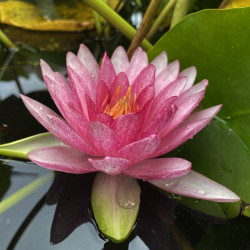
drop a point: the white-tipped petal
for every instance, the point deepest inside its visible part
(198, 186)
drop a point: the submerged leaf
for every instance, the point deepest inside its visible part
(228, 4)
(75, 16)
(20, 148)
(115, 202)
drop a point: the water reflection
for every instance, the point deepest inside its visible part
(63, 216)
(71, 193)
(26, 86)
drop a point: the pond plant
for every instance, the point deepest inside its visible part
(127, 117)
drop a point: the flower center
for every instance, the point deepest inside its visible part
(120, 106)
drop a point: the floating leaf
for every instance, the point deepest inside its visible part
(75, 16)
(20, 148)
(221, 54)
(115, 202)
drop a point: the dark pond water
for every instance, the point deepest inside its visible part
(58, 214)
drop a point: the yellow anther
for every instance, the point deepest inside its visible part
(124, 105)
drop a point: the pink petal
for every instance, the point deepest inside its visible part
(60, 158)
(83, 80)
(61, 94)
(103, 138)
(120, 81)
(161, 119)
(184, 109)
(91, 108)
(139, 150)
(107, 71)
(176, 138)
(144, 79)
(145, 95)
(160, 62)
(88, 61)
(159, 168)
(147, 110)
(127, 127)
(138, 62)
(201, 86)
(56, 77)
(55, 124)
(70, 137)
(203, 114)
(173, 89)
(120, 60)
(102, 94)
(79, 90)
(78, 122)
(105, 119)
(190, 73)
(198, 186)
(110, 165)
(167, 76)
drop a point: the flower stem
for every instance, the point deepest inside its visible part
(116, 20)
(180, 11)
(24, 192)
(144, 26)
(164, 13)
(6, 41)
(107, 27)
(98, 24)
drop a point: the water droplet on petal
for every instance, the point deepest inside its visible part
(170, 183)
(202, 192)
(128, 192)
(41, 108)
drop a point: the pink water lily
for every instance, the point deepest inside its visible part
(118, 118)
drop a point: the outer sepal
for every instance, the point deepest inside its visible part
(115, 202)
(20, 148)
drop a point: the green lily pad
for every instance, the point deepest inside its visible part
(115, 202)
(20, 148)
(217, 43)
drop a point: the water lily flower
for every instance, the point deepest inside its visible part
(118, 118)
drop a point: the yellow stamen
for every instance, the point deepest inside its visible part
(124, 105)
(104, 102)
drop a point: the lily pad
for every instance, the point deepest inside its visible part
(217, 43)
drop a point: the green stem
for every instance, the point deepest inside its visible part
(6, 41)
(106, 27)
(24, 192)
(116, 20)
(180, 11)
(159, 20)
(9, 55)
(98, 24)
